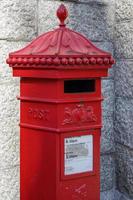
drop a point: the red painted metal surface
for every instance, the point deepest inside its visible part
(53, 109)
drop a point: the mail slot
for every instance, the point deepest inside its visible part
(60, 114)
(81, 85)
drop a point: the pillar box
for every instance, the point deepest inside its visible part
(60, 114)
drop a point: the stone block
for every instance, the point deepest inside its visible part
(107, 136)
(18, 19)
(9, 105)
(124, 78)
(120, 196)
(124, 122)
(124, 40)
(108, 195)
(9, 184)
(124, 169)
(9, 143)
(107, 172)
(124, 10)
(7, 47)
(108, 94)
(94, 21)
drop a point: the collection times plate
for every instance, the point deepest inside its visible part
(78, 154)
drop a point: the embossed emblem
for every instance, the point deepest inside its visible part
(41, 114)
(80, 113)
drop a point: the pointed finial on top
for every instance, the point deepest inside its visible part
(62, 14)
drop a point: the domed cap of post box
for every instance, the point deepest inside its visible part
(60, 48)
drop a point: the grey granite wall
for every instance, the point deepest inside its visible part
(109, 24)
(124, 96)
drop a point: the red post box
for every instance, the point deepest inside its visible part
(60, 114)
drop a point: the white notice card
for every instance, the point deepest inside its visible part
(78, 154)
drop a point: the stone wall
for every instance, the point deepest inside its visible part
(124, 96)
(109, 24)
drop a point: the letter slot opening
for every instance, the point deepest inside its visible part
(79, 86)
